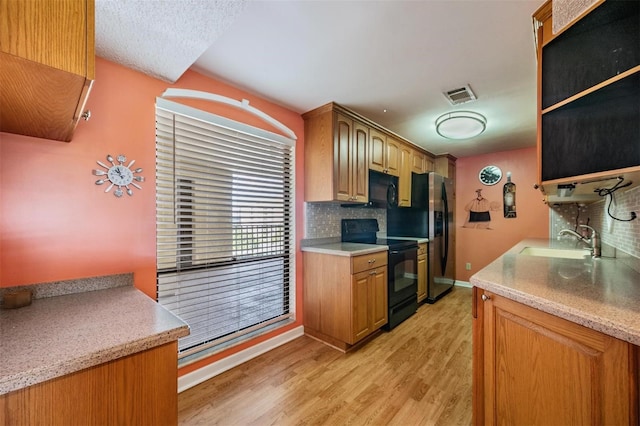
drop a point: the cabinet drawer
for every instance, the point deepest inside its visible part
(422, 249)
(368, 261)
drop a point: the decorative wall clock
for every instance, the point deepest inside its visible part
(490, 175)
(118, 174)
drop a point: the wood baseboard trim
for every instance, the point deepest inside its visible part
(194, 378)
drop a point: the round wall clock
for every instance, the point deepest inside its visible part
(490, 175)
(118, 174)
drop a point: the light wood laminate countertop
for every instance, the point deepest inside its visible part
(56, 336)
(602, 294)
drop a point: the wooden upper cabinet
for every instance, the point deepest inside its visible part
(445, 165)
(360, 166)
(47, 65)
(393, 156)
(588, 95)
(342, 157)
(342, 146)
(429, 164)
(335, 157)
(384, 153)
(417, 162)
(404, 182)
(531, 367)
(377, 151)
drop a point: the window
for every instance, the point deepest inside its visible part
(225, 224)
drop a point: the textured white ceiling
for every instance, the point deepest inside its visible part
(369, 55)
(161, 38)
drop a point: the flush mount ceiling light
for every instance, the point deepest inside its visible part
(460, 124)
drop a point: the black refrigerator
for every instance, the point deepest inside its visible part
(430, 216)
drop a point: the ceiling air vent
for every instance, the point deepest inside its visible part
(460, 96)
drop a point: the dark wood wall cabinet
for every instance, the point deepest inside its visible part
(589, 96)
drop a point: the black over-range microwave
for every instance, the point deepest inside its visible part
(383, 191)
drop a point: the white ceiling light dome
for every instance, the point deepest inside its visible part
(460, 124)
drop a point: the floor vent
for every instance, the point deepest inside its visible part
(460, 96)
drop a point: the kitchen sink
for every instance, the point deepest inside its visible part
(556, 252)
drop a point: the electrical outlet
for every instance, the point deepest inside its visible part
(468, 266)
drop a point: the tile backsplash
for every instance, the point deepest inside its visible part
(322, 220)
(623, 236)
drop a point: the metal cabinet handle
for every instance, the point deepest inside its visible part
(374, 272)
(371, 261)
(485, 297)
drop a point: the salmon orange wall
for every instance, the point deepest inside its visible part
(481, 246)
(56, 224)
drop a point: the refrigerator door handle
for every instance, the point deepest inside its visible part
(445, 220)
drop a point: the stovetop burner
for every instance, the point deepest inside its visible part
(396, 244)
(365, 230)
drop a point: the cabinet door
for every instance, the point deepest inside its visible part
(377, 146)
(379, 295)
(360, 166)
(442, 166)
(429, 164)
(541, 369)
(404, 183)
(392, 154)
(422, 277)
(342, 157)
(361, 323)
(48, 64)
(417, 162)
(52, 33)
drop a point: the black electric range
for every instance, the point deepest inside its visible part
(402, 266)
(365, 231)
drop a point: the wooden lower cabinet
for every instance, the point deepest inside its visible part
(369, 290)
(139, 389)
(345, 298)
(422, 272)
(531, 367)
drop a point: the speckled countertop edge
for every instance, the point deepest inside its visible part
(80, 285)
(60, 335)
(345, 249)
(333, 245)
(617, 315)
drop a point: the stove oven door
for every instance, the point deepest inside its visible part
(403, 274)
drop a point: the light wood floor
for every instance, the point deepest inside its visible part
(417, 374)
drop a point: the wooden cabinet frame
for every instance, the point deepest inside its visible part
(566, 111)
(337, 159)
(345, 298)
(533, 367)
(139, 389)
(47, 53)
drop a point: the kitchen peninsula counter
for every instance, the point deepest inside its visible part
(57, 336)
(602, 294)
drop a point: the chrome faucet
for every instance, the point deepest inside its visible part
(593, 241)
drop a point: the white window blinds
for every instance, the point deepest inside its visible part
(225, 225)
